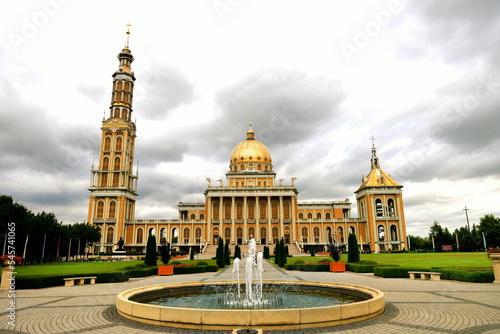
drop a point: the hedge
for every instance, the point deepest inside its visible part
(394, 271)
(37, 282)
(464, 274)
(307, 267)
(360, 268)
(190, 270)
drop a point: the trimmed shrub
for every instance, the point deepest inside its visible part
(175, 263)
(395, 271)
(141, 265)
(201, 263)
(190, 270)
(36, 282)
(143, 272)
(212, 268)
(360, 268)
(307, 267)
(299, 261)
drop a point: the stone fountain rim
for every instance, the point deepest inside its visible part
(281, 319)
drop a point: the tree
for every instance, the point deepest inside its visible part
(150, 258)
(440, 236)
(312, 251)
(280, 259)
(490, 226)
(266, 254)
(237, 252)
(353, 254)
(191, 253)
(165, 252)
(465, 240)
(227, 254)
(334, 252)
(220, 254)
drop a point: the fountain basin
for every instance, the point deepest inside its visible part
(373, 304)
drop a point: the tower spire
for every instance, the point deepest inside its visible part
(374, 161)
(127, 40)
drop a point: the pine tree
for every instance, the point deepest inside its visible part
(237, 252)
(227, 254)
(150, 258)
(165, 253)
(353, 254)
(220, 254)
(313, 251)
(191, 253)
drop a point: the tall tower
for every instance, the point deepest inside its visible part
(113, 185)
(380, 205)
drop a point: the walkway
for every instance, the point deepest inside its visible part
(412, 306)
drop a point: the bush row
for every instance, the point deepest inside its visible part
(307, 267)
(478, 275)
(37, 282)
(195, 269)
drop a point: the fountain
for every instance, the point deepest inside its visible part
(264, 304)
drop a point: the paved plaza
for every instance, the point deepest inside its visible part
(412, 306)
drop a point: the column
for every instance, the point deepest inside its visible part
(233, 215)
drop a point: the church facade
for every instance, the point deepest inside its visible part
(248, 204)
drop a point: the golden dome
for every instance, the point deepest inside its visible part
(250, 155)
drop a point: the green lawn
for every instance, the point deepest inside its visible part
(72, 268)
(423, 260)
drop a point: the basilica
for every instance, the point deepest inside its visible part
(248, 204)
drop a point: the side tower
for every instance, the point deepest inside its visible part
(113, 185)
(380, 205)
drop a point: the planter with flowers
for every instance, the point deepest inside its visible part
(335, 265)
(494, 256)
(165, 269)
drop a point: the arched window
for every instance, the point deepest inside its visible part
(215, 236)
(163, 234)
(202, 216)
(104, 179)
(394, 233)
(301, 215)
(251, 233)
(263, 210)
(259, 167)
(197, 235)
(340, 234)
(304, 234)
(100, 209)
(140, 235)
(263, 235)
(193, 216)
(239, 210)
(117, 164)
(309, 215)
(329, 234)
(390, 205)
(227, 210)
(251, 210)
(215, 210)
(112, 209)
(327, 215)
(239, 235)
(316, 233)
(362, 210)
(274, 209)
(119, 142)
(275, 235)
(352, 230)
(109, 235)
(286, 209)
(107, 144)
(378, 206)
(318, 215)
(381, 233)
(227, 235)
(151, 231)
(186, 235)
(105, 163)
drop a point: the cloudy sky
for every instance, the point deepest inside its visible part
(318, 78)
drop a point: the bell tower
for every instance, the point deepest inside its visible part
(380, 205)
(113, 184)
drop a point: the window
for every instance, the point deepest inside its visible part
(197, 235)
(117, 164)
(251, 210)
(381, 233)
(140, 236)
(352, 230)
(163, 234)
(318, 215)
(227, 211)
(202, 216)
(275, 235)
(327, 216)
(378, 207)
(329, 234)
(394, 233)
(392, 211)
(193, 216)
(309, 215)
(301, 215)
(151, 231)
(100, 209)
(105, 163)
(119, 142)
(286, 209)
(316, 233)
(340, 234)
(251, 232)
(186, 235)
(107, 144)
(116, 179)
(304, 234)
(239, 210)
(215, 213)
(227, 235)
(274, 209)
(109, 235)
(112, 209)
(104, 179)
(263, 209)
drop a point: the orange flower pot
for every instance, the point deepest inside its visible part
(337, 266)
(165, 270)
